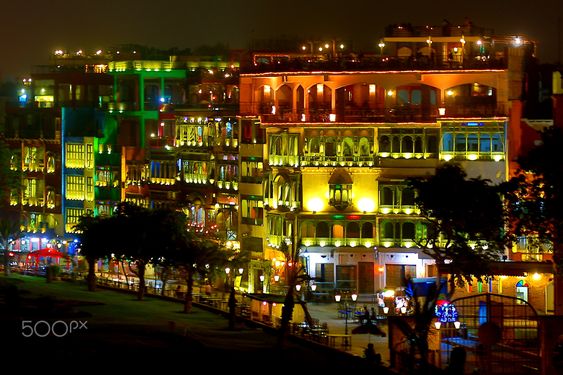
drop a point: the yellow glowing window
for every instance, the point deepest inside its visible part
(74, 155)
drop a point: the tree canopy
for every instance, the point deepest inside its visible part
(535, 195)
(464, 221)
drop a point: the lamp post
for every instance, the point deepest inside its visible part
(338, 298)
(381, 46)
(262, 278)
(309, 47)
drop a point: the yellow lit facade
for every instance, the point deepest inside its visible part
(342, 143)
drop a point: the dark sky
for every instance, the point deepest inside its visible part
(32, 29)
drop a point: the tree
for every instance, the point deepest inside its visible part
(534, 201)
(190, 254)
(9, 231)
(295, 273)
(146, 235)
(9, 220)
(464, 221)
(234, 259)
(95, 234)
(417, 332)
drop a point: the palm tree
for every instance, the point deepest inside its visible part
(417, 332)
(295, 274)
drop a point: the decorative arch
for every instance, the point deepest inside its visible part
(364, 147)
(367, 230)
(323, 230)
(300, 99)
(307, 229)
(353, 230)
(408, 230)
(284, 98)
(347, 147)
(282, 189)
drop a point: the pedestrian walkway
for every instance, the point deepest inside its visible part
(328, 312)
(324, 312)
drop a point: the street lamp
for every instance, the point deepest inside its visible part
(381, 46)
(338, 297)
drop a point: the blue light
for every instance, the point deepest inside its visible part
(473, 124)
(446, 313)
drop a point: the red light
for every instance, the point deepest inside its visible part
(10, 254)
(353, 217)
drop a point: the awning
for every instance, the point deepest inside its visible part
(47, 252)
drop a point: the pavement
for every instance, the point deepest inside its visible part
(328, 312)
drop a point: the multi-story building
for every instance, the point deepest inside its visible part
(344, 132)
(52, 183)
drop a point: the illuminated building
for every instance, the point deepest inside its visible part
(343, 136)
(35, 131)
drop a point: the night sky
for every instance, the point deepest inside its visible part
(32, 29)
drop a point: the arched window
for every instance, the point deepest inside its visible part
(395, 144)
(388, 230)
(472, 142)
(418, 145)
(353, 230)
(364, 147)
(308, 230)
(460, 145)
(367, 230)
(497, 143)
(407, 144)
(314, 145)
(407, 197)
(485, 143)
(337, 231)
(384, 144)
(347, 147)
(408, 231)
(323, 230)
(330, 149)
(447, 142)
(432, 144)
(387, 196)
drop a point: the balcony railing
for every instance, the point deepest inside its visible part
(394, 114)
(376, 63)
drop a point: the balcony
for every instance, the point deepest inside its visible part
(318, 160)
(395, 114)
(338, 242)
(373, 63)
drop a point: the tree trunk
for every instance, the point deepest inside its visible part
(141, 273)
(125, 273)
(91, 278)
(164, 277)
(189, 292)
(6, 259)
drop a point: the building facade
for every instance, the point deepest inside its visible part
(344, 133)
